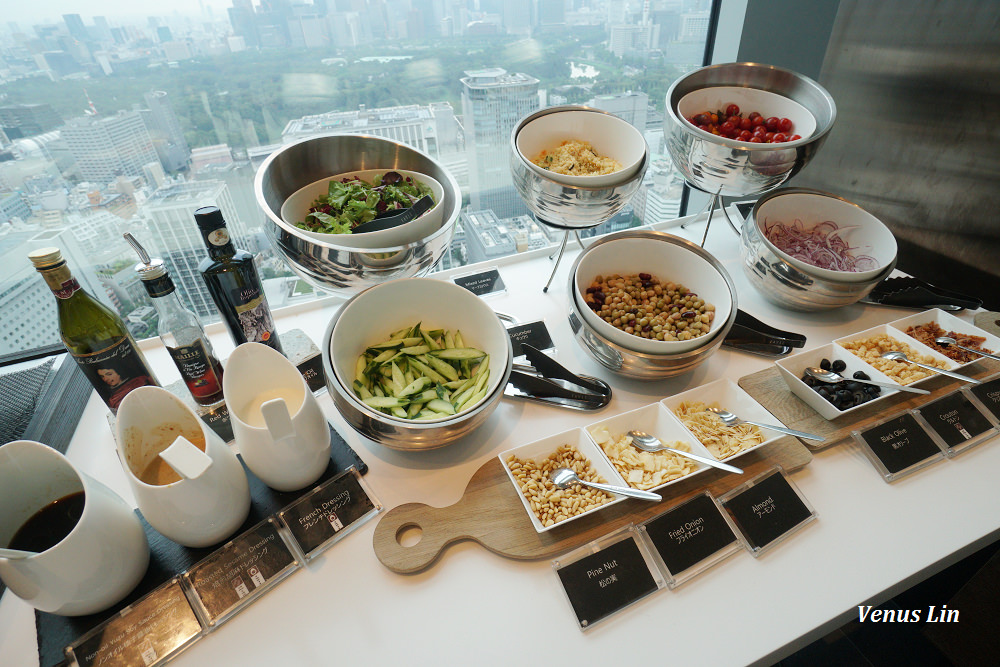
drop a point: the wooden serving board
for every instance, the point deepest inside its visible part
(769, 389)
(490, 513)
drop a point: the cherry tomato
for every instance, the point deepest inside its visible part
(701, 119)
(714, 117)
(745, 135)
(785, 125)
(732, 110)
(769, 137)
(754, 116)
(756, 139)
(759, 129)
(746, 124)
(728, 127)
(779, 138)
(795, 137)
(772, 124)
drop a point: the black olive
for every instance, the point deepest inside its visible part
(825, 364)
(861, 375)
(838, 366)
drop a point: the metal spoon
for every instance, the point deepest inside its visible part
(732, 420)
(900, 356)
(650, 443)
(15, 554)
(830, 376)
(563, 477)
(948, 340)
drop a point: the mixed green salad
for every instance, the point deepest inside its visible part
(352, 201)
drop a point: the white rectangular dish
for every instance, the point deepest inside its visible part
(948, 323)
(729, 396)
(901, 338)
(792, 368)
(655, 420)
(539, 450)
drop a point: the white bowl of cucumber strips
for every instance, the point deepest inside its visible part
(418, 362)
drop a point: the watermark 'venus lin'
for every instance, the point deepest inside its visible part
(934, 615)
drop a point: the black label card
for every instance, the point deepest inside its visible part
(955, 418)
(989, 394)
(689, 533)
(767, 510)
(900, 443)
(535, 334)
(312, 372)
(237, 570)
(482, 283)
(607, 581)
(147, 633)
(328, 510)
(217, 419)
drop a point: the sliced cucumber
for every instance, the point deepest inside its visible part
(459, 353)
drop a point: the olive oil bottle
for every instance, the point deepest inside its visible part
(179, 330)
(231, 277)
(93, 334)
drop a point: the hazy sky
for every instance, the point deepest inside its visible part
(36, 11)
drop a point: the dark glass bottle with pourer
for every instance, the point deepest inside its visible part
(231, 277)
(180, 331)
(94, 335)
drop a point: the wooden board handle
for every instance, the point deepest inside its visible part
(433, 539)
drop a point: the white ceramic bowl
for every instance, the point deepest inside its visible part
(296, 207)
(863, 232)
(377, 312)
(609, 135)
(539, 450)
(668, 263)
(730, 396)
(947, 322)
(749, 100)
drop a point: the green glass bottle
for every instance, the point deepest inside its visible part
(93, 334)
(231, 277)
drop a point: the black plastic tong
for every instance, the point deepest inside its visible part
(748, 334)
(548, 381)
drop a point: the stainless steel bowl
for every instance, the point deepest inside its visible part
(639, 365)
(405, 435)
(329, 266)
(785, 285)
(723, 166)
(567, 206)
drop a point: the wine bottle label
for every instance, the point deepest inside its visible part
(254, 315)
(219, 236)
(115, 371)
(67, 289)
(197, 369)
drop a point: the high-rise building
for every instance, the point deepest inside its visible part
(430, 129)
(175, 236)
(165, 131)
(631, 107)
(75, 26)
(105, 147)
(493, 101)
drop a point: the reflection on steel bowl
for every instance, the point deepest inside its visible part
(730, 168)
(325, 264)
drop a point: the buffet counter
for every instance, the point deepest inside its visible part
(871, 539)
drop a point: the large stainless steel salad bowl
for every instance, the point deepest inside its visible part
(642, 365)
(789, 286)
(568, 206)
(722, 166)
(326, 264)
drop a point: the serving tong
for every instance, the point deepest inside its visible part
(748, 334)
(547, 381)
(909, 292)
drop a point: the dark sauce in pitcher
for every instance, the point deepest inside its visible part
(49, 525)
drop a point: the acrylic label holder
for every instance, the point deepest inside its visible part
(955, 422)
(160, 626)
(482, 283)
(766, 510)
(689, 538)
(605, 576)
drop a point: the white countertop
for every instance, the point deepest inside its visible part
(871, 539)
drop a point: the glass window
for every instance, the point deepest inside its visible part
(112, 121)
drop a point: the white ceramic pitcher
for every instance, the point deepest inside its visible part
(96, 564)
(187, 482)
(279, 427)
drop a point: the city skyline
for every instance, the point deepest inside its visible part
(52, 11)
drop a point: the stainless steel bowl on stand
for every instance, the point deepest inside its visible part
(333, 266)
(566, 207)
(724, 167)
